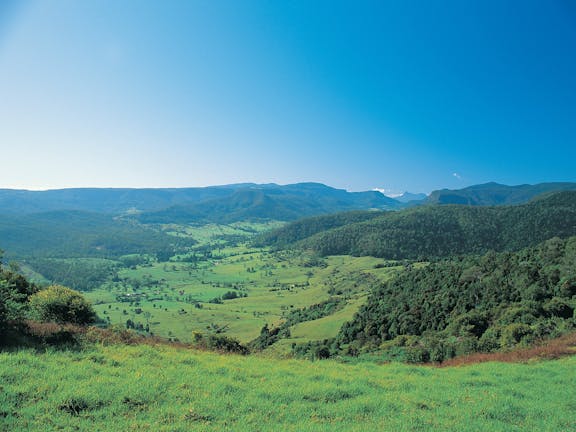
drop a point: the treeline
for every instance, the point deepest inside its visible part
(82, 274)
(305, 228)
(428, 232)
(467, 304)
(269, 336)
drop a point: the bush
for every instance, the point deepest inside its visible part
(558, 307)
(417, 354)
(218, 343)
(322, 353)
(513, 334)
(62, 305)
(490, 340)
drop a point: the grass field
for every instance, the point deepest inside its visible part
(161, 388)
(173, 299)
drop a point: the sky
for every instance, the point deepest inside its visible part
(399, 95)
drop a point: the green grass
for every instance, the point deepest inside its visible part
(144, 388)
(216, 233)
(274, 283)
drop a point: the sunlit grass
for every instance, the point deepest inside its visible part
(161, 388)
(274, 285)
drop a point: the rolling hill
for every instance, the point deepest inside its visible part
(436, 231)
(283, 203)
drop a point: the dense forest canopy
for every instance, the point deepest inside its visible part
(437, 231)
(68, 234)
(473, 303)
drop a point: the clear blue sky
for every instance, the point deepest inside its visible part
(399, 95)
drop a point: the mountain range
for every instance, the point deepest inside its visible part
(493, 194)
(226, 203)
(229, 203)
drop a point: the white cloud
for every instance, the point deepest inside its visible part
(388, 192)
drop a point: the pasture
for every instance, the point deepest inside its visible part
(163, 388)
(223, 286)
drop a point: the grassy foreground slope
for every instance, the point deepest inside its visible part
(145, 388)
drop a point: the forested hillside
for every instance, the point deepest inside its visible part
(67, 234)
(474, 303)
(307, 227)
(491, 194)
(440, 231)
(214, 203)
(284, 203)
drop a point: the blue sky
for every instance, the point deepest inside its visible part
(398, 95)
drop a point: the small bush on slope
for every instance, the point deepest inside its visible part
(62, 305)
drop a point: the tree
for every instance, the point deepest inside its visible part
(14, 292)
(63, 305)
(10, 303)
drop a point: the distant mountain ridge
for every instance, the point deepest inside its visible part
(106, 200)
(225, 204)
(408, 197)
(250, 201)
(494, 194)
(286, 203)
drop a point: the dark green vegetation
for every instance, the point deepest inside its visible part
(438, 231)
(304, 228)
(21, 300)
(66, 234)
(14, 293)
(468, 304)
(172, 280)
(491, 194)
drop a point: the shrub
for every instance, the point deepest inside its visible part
(322, 353)
(558, 307)
(218, 343)
(490, 340)
(14, 293)
(63, 305)
(514, 333)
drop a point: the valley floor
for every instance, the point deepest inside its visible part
(163, 388)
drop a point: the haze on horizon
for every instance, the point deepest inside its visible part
(400, 96)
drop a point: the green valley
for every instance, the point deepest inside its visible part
(264, 324)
